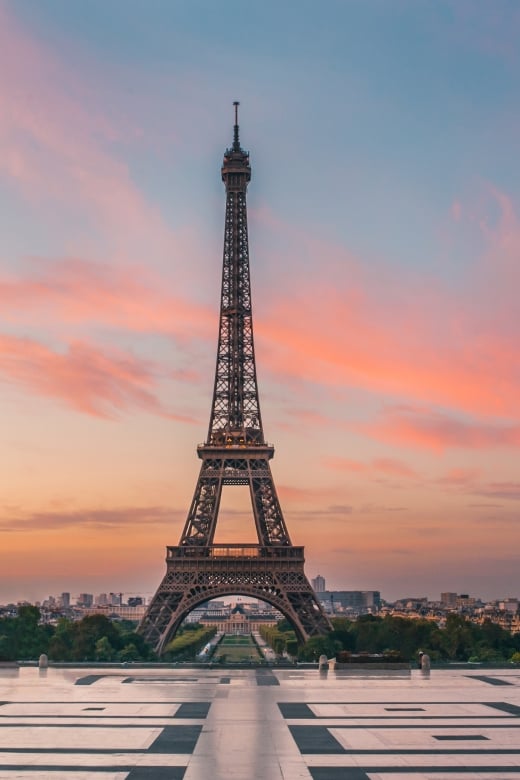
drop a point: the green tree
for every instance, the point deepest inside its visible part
(368, 634)
(88, 631)
(457, 638)
(31, 638)
(61, 643)
(104, 650)
(291, 646)
(129, 653)
(279, 644)
(128, 638)
(494, 643)
(319, 645)
(284, 626)
(188, 642)
(28, 616)
(344, 633)
(8, 646)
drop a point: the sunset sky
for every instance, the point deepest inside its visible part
(384, 226)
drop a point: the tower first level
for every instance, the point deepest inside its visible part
(196, 575)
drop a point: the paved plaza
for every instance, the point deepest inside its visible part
(258, 724)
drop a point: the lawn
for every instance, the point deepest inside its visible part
(236, 649)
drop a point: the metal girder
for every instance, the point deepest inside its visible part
(242, 468)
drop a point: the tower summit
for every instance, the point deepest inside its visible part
(235, 453)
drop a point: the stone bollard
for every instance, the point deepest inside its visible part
(43, 661)
(323, 663)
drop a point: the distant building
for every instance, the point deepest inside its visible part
(116, 611)
(318, 584)
(465, 600)
(357, 602)
(372, 598)
(65, 600)
(449, 600)
(509, 605)
(85, 600)
(195, 615)
(413, 603)
(240, 619)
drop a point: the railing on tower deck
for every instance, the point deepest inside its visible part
(235, 551)
(235, 444)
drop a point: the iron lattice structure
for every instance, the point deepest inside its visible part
(235, 453)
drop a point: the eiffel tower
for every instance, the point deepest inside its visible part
(235, 453)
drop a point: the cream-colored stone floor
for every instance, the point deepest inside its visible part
(226, 724)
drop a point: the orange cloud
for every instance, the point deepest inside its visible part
(90, 380)
(509, 490)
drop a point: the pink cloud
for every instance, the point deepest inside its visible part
(304, 416)
(376, 349)
(72, 290)
(57, 145)
(456, 210)
(92, 381)
(459, 476)
(346, 464)
(436, 430)
(393, 467)
(291, 493)
(407, 336)
(388, 466)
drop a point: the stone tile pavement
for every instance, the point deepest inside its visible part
(227, 724)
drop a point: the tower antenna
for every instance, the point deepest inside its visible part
(236, 142)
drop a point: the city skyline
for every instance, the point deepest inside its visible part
(333, 597)
(384, 246)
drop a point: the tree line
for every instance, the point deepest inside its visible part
(458, 640)
(96, 638)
